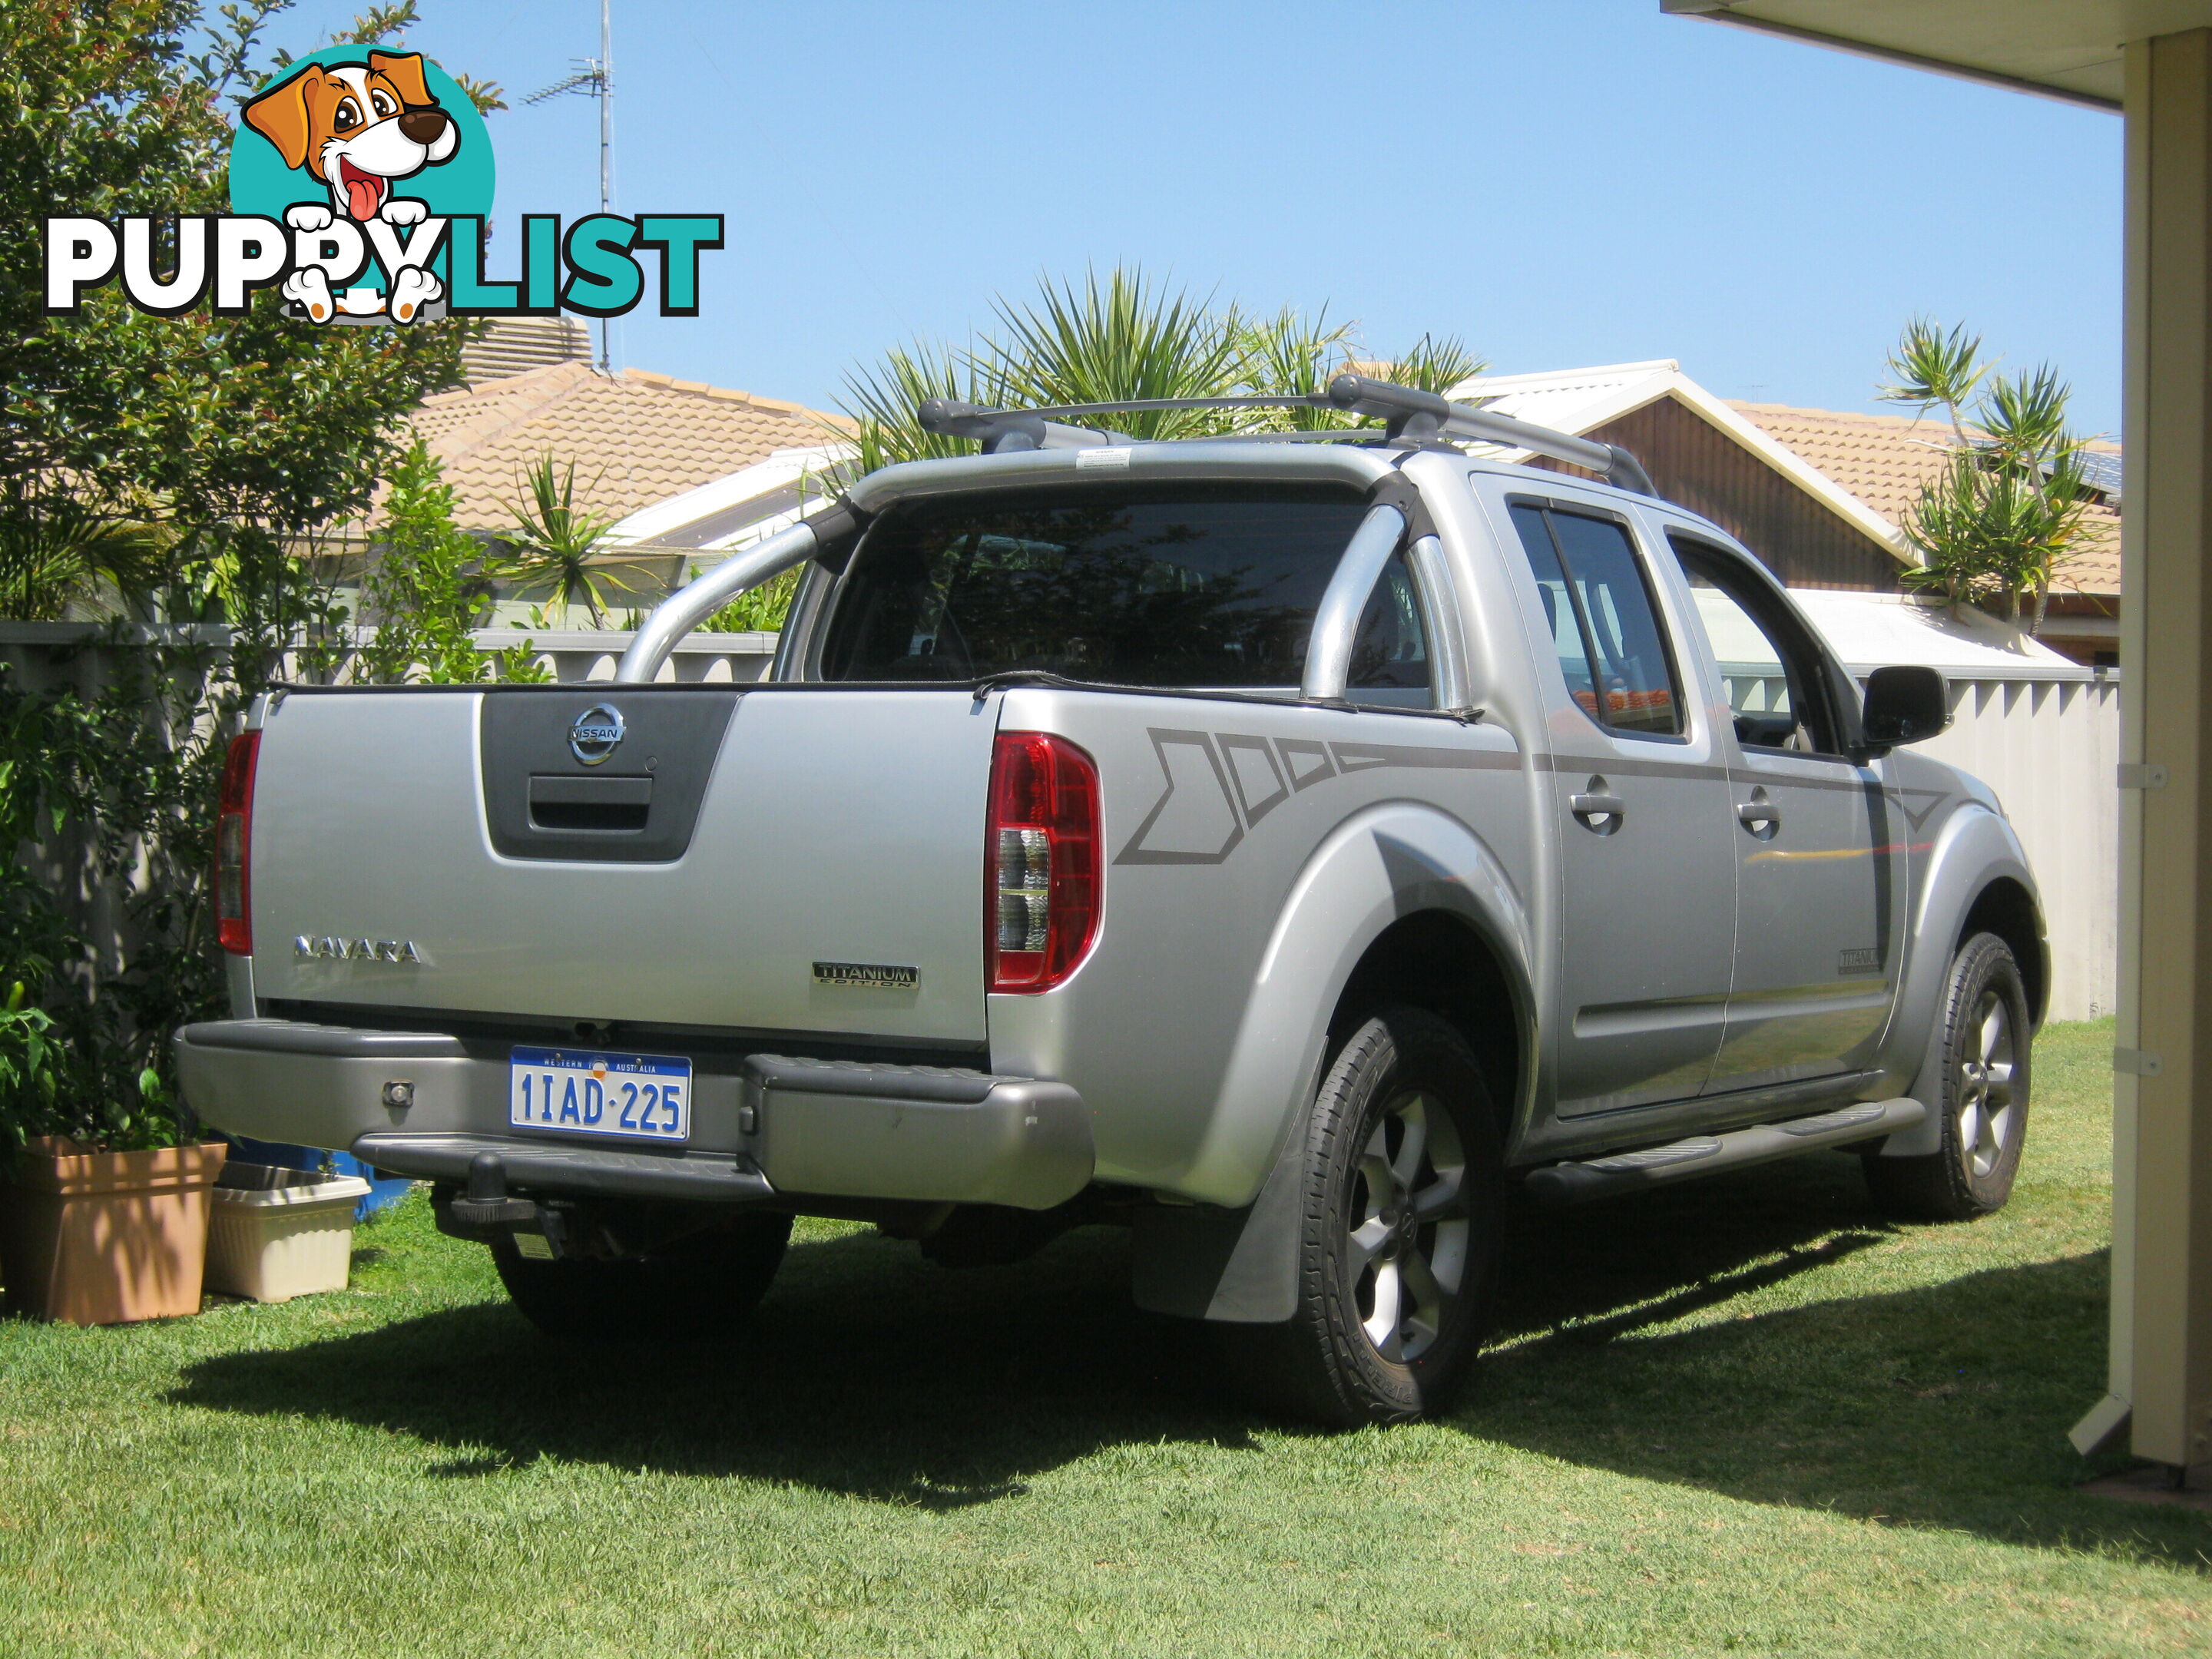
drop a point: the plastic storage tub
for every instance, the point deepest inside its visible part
(384, 1191)
(274, 1233)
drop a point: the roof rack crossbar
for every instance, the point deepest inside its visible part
(1413, 413)
(1261, 400)
(1407, 411)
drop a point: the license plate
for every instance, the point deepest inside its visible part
(582, 1091)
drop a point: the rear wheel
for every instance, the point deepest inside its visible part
(694, 1288)
(1982, 1104)
(1399, 1233)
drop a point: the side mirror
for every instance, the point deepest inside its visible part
(1904, 703)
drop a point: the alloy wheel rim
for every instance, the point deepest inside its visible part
(1987, 1105)
(1409, 1229)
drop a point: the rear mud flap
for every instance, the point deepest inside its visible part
(1238, 1266)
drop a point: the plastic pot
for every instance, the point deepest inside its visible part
(103, 1238)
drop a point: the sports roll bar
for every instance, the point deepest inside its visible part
(701, 598)
(1426, 560)
(1336, 619)
(1407, 412)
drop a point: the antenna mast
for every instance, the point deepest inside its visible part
(606, 91)
(595, 78)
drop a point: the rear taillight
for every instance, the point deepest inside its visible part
(1041, 861)
(233, 839)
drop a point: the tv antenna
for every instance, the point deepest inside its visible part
(595, 78)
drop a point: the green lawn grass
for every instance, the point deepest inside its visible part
(1747, 1416)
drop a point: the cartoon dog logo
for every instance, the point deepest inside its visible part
(357, 129)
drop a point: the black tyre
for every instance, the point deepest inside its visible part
(1982, 1090)
(697, 1289)
(1399, 1233)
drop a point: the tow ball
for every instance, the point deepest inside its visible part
(484, 1202)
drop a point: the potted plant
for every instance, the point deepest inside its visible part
(92, 1234)
(103, 1189)
(93, 1237)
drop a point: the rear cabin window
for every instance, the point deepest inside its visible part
(1603, 624)
(1154, 586)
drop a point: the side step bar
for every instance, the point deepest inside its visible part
(1560, 1184)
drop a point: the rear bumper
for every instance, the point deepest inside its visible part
(766, 1127)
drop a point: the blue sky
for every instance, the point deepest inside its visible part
(1573, 182)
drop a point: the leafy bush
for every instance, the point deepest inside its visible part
(427, 590)
(160, 470)
(110, 792)
(28, 1080)
(757, 610)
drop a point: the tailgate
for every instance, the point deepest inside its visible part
(693, 874)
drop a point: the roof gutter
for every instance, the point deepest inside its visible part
(1718, 11)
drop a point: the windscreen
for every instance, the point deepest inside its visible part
(1183, 586)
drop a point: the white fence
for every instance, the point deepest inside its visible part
(48, 653)
(2049, 744)
(589, 653)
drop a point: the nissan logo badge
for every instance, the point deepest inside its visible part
(597, 732)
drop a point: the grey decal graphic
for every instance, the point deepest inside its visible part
(1359, 757)
(1215, 788)
(1927, 800)
(1193, 821)
(1308, 761)
(1262, 777)
(1364, 757)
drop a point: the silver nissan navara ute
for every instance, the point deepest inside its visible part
(1284, 846)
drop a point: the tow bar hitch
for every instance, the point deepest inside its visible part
(485, 1203)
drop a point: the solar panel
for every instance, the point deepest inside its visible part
(2101, 472)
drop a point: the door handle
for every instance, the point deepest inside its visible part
(1599, 809)
(1760, 815)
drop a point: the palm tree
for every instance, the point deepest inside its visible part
(2006, 510)
(551, 549)
(1123, 336)
(1117, 338)
(58, 552)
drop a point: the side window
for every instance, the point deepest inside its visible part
(1390, 658)
(1771, 677)
(1604, 625)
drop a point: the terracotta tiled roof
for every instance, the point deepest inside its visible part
(1884, 460)
(637, 437)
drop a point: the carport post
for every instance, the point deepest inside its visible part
(2161, 1376)
(2161, 1308)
